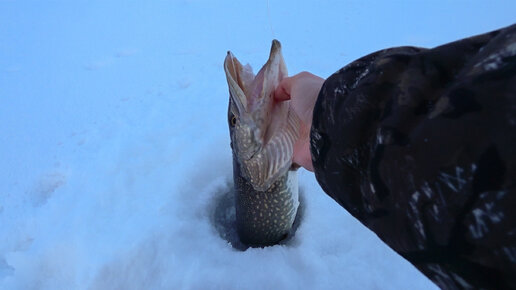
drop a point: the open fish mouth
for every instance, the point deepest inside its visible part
(263, 131)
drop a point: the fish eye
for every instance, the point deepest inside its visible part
(233, 120)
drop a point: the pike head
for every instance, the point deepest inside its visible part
(262, 130)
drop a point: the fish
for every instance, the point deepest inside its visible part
(263, 132)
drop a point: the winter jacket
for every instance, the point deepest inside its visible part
(420, 146)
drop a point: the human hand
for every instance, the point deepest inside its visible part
(302, 90)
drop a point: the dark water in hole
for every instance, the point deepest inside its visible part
(224, 217)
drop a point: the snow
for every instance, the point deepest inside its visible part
(115, 153)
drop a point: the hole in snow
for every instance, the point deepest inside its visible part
(224, 218)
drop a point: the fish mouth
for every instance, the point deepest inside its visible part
(238, 79)
(252, 94)
(268, 129)
(247, 89)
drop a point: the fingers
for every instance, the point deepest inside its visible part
(282, 92)
(302, 156)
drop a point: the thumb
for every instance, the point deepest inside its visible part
(282, 92)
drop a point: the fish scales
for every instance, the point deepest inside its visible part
(263, 133)
(265, 217)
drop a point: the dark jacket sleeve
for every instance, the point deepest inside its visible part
(419, 145)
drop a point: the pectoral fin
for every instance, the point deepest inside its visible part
(276, 157)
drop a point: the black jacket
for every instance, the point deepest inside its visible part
(420, 146)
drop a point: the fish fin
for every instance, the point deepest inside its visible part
(275, 159)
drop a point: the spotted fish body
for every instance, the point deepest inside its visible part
(265, 217)
(263, 133)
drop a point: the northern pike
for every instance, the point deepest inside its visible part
(263, 133)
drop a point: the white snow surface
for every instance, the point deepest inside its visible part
(114, 147)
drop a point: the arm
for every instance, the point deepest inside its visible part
(417, 145)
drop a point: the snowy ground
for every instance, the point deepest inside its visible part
(114, 151)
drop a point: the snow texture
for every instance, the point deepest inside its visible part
(115, 167)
